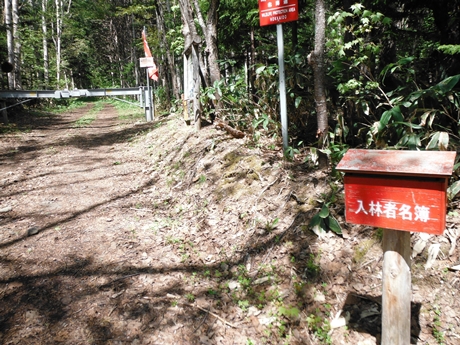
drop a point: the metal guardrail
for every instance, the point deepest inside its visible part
(69, 93)
(144, 93)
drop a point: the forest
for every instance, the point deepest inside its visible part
(388, 69)
(204, 226)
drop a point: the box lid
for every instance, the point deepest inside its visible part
(391, 162)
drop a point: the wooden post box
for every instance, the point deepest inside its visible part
(401, 190)
(397, 190)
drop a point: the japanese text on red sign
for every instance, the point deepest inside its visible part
(391, 210)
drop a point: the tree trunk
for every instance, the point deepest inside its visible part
(17, 46)
(134, 58)
(211, 41)
(196, 88)
(210, 32)
(46, 67)
(169, 56)
(252, 68)
(316, 60)
(202, 62)
(9, 40)
(58, 40)
(192, 42)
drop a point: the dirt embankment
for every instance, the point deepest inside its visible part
(124, 232)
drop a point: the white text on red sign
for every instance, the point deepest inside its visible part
(277, 11)
(391, 210)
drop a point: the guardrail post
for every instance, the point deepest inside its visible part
(148, 104)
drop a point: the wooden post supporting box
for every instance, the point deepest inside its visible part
(397, 190)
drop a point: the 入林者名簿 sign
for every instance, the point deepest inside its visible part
(392, 210)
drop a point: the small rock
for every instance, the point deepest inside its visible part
(253, 311)
(33, 231)
(5, 209)
(266, 320)
(66, 300)
(262, 280)
(233, 285)
(319, 297)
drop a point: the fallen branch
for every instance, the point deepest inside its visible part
(230, 130)
(213, 314)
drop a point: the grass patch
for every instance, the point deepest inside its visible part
(62, 106)
(126, 111)
(84, 121)
(10, 128)
(89, 118)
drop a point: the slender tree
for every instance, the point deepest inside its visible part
(46, 69)
(161, 25)
(57, 39)
(191, 50)
(316, 60)
(210, 34)
(17, 45)
(9, 39)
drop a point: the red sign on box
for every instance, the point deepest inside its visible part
(278, 11)
(396, 203)
(400, 190)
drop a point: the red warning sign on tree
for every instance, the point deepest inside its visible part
(278, 11)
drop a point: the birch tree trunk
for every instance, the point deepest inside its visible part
(46, 67)
(58, 40)
(17, 46)
(316, 60)
(9, 40)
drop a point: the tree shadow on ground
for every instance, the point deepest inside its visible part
(365, 316)
(118, 135)
(109, 301)
(47, 297)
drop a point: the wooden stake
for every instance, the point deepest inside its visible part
(396, 288)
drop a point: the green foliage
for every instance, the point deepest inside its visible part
(416, 120)
(312, 267)
(271, 225)
(404, 116)
(450, 49)
(84, 121)
(320, 327)
(290, 152)
(190, 297)
(289, 312)
(437, 331)
(453, 190)
(354, 54)
(262, 124)
(324, 221)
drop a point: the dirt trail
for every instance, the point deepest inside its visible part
(125, 232)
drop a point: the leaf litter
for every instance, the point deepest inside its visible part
(126, 232)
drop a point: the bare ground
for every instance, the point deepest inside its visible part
(125, 232)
